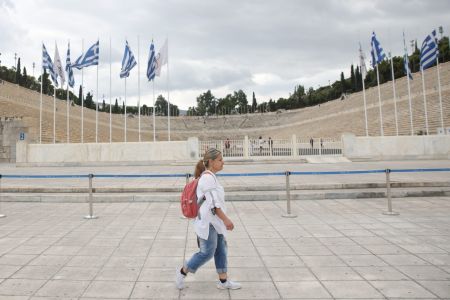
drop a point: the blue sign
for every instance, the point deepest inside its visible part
(22, 136)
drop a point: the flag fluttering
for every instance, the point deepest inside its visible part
(406, 66)
(429, 51)
(128, 62)
(162, 58)
(47, 63)
(70, 78)
(58, 66)
(89, 58)
(151, 66)
(377, 51)
(362, 62)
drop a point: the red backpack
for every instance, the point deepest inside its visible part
(189, 205)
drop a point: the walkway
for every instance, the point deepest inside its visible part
(334, 249)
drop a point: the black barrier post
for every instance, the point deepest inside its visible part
(388, 194)
(1, 198)
(91, 209)
(288, 213)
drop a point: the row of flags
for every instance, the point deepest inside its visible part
(428, 54)
(91, 58)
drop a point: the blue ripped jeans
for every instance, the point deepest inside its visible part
(216, 246)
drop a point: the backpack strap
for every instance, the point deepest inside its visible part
(203, 199)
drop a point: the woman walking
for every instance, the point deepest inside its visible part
(211, 224)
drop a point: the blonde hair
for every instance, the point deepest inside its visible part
(211, 153)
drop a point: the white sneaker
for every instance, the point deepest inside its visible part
(232, 285)
(179, 279)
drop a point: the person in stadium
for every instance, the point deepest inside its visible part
(211, 224)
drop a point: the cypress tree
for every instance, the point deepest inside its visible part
(342, 83)
(18, 76)
(352, 79)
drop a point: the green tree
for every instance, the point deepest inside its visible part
(18, 78)
(115, 109)
(343, 87)
(88, 101)
(353, 79)
(24, 79)
(205, 103)
(241, 100)
(254, 104)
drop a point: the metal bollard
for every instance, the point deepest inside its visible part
(288, 196)
(388, 192)
(91, 209)
(1, 198)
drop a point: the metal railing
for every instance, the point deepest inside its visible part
(187, 176)
(276, 148)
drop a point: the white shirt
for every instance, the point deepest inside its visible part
(209, 186)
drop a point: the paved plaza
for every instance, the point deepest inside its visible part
(333, 249)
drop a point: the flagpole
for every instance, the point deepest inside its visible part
(363, 76)
(125, 111)
(409, 88)
(394, 93)
(168, 98)
(40, 102)
(365, 105)
(54, 113)
(82, 97)
(440, 95)
(67, 111)
(424, 100)
(40, 105)
(96, 110)
(110, 103)
(379, 102)
(154, 111)
(139, 93)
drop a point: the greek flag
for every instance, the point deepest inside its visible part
(128, 62)
(429, 51)
(406, 66)
(377, 52)
(71, 79)
(151, 67)
(90, 58)
(47, 63)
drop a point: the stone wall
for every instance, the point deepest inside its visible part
(10, 130)
(396, 147)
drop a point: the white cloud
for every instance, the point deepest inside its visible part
(263, 47)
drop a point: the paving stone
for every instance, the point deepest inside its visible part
(438, 287)
(304, 289)
(63, 288)
(401, 289)
(36, 272)
(109, 289)
(380, 273)
(20, 287)
(351, 289)
(255, 290)
(155, 290)
(336, 273)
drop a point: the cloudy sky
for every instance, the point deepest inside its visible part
(266, 47)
